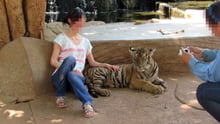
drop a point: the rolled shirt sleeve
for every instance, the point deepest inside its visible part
(207, 71)
(209, 55)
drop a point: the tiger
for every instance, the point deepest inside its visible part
(141, 74)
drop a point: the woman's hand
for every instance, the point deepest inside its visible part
(197, 52)
(112, 67)
(185, 57)
(92, 62)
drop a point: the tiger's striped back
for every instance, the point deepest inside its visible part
(143, 68)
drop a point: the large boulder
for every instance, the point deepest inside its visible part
(25, 70)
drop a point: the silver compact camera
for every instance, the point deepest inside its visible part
(187, 50)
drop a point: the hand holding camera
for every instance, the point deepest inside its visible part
(185, 54)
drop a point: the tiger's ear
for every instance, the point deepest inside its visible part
(151, 51)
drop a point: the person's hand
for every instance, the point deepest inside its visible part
(112, 67)
(197, 52)
(78, 72)
(185, 57)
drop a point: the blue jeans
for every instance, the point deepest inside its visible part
(65, 75)
(208, 95)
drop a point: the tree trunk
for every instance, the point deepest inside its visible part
(4, 32)
(15, 18)
(20, 18)
(35, 17)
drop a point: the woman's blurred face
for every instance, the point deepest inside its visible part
(215, 28)
(78, 25)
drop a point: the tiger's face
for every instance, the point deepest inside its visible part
(142, 58)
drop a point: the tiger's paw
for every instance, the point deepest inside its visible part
(160, 82)
(158, 90)
(105, 92)
(93, 94)
(163, 84)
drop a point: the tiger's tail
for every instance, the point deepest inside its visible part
(89, 83)
(91, 89)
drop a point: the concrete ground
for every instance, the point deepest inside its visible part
(178, 105)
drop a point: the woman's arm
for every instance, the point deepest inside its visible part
(92, 62)
(55, 54)
(205, 55)
(205, 71)
(199, 68)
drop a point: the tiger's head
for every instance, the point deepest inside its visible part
(142, 58)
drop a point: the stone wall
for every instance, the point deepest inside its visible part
(166, 55)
